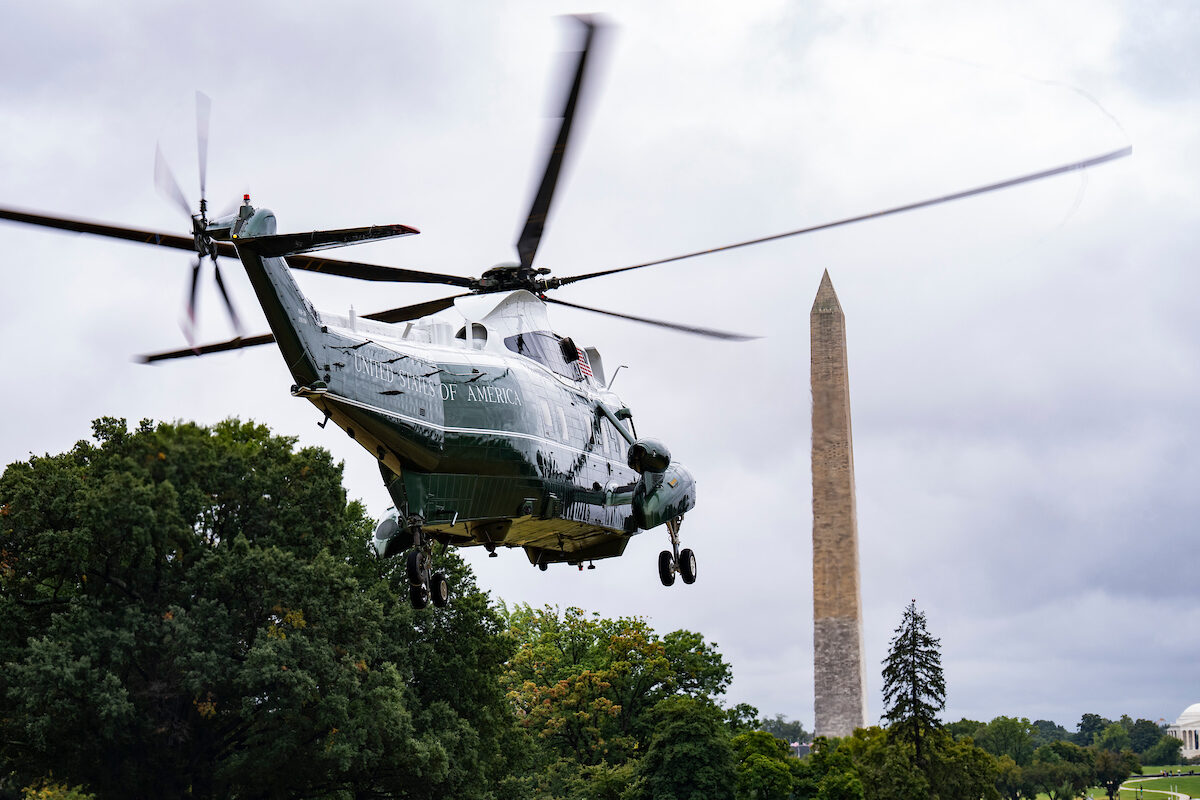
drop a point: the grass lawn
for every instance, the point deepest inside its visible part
(1188, 784)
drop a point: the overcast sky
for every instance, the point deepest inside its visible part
(1023, 366)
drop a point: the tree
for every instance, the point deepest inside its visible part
(584, 686)
(1045, 732)
(964, 728)
(828, 773)
(1008, 736)
(689, 756)
(1114, 737)
(1165, 752)
(182, 605)
(762, 766)
(1090, 725)
(914, 690)
(1143, 735)
(1112, 768)
(785, 729)
(1062, 769)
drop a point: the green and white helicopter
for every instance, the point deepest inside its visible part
(489, 428)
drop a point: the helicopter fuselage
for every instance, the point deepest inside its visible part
(489, 428)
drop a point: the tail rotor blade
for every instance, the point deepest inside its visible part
(189, 325)
(203, 112)
(165, 181)
(237, 323)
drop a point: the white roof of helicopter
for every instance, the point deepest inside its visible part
(502, 314)
(506, 313)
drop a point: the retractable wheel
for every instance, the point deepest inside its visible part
(666, 568)
(419, 596)
(687, 565)
(412, 567)
(439, 590)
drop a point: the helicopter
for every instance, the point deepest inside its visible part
(489, 428)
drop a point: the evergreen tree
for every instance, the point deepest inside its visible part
(914, 690)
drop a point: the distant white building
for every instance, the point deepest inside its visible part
(1187, 730)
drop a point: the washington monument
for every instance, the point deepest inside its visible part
(840, 679)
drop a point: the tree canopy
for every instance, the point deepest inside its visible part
(194, 611)
(184, 605)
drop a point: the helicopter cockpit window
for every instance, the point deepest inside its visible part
(545, 348)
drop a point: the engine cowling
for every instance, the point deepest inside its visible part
(648, 455)
(660, 496)
(387, 540)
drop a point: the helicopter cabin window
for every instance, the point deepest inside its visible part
(546, 348)
(547, 421)
(612, 439)
(478, 335)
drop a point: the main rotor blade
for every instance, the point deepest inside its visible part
(287, 244)
(203, 350)
(328, 266)
(391, 315)
(164, 179)
(531, 236)
(991, 187)
(415, 311)
(711, 333)
(372, 272)
(203, 112)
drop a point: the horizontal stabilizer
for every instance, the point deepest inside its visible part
(287, 244)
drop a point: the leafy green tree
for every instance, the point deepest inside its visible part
(1062, 769)
(1143, 735)
(1045, 732)
(841, 786)
(762, 766)
(914, 689)
(1090, 725)
(785, 729)
(1011, 780)
(828, 772)
(584, 686)
(886, 765)
(1114, 737)
(964, 728)
(741, 718)
(1112, 768)
(689, 756)
(1008, 736)
(1165, 752)
(193, 611)
(960, 769)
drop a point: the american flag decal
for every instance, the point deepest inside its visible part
(584, 366)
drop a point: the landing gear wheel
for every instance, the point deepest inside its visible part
(666, 568)
(419, 596)
(687, 565)
(413, 568)
(439, 590)
(543, 566)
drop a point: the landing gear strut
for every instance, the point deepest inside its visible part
(423, 583)
(675, 560)
(418, 566)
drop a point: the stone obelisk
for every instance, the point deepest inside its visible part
(839, 676)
